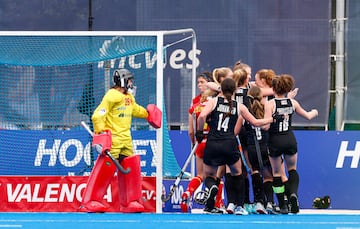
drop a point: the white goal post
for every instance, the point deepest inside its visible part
(186, 34)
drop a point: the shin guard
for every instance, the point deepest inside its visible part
(269, 192)
(211, 186)
(231, 196)
(258, 188)
(130, 185)
(219, 202)
(97, 184)
(238, 185)
(279, 190)
(247, 189)
(194, 183)
(293, 182)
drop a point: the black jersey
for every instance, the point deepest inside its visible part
(241, 96)
(261, 135)
(221, 124)
(284, 110)
(221, 146)
(270, 97)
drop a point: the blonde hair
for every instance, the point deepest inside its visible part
(219, 73)
(240, 75)
(207, 93)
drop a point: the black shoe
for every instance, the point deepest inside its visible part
(284, 209)
(213, 210)
(294, 204)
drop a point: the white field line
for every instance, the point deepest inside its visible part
(311, 211)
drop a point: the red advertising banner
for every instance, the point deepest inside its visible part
(60, 193)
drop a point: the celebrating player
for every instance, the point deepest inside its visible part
(224, 115)
(112, 122)
(196, 106)
(282, 141)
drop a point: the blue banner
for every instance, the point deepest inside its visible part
(61, 152)
(328, 164)
(328, 161)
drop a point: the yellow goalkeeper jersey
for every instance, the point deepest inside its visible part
(115, 113)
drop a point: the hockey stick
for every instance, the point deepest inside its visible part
(178, 178)
(243, 156)
(258, 152)
(97, 149)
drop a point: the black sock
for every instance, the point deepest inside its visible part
(269, 192)
(247, 189)
(239, 189)
(258, 188)
(287, 191)
(293, 182)
(279, 190)
(228, 188)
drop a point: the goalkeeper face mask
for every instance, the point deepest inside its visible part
(132, 90)
(131, 87)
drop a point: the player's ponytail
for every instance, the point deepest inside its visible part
(228, 88)
(255, 97)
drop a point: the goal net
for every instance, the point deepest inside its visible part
(51, 81)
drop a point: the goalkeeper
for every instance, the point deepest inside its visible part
(112, 122)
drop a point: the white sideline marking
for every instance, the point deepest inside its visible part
(310, 211)
(10, 226)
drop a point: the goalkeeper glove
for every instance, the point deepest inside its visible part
(102, 142)
(154, 116)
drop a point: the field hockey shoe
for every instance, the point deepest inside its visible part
(213, 210)
(271, 209)
(284, 209)
(260, 209)
(239, 210)
(231, 208)
(294, 204)
(185, 202)
(250, 208)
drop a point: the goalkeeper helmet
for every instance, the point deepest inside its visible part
(121, 77)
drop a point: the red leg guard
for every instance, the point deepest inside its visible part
(219, 202)
(194, 183)
(130, 185)
(97, 184)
